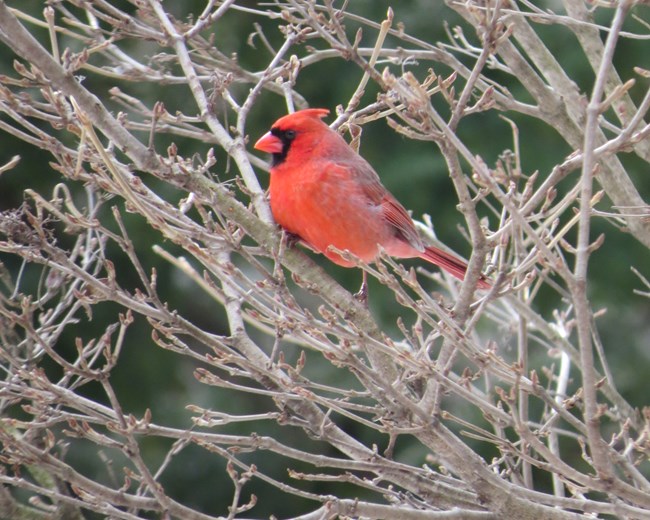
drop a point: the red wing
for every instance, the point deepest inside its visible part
(397, 216)
(367, 179)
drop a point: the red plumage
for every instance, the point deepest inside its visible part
(328, 195)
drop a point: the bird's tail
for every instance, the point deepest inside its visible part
(451, 264)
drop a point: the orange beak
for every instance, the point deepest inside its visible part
(269, 143)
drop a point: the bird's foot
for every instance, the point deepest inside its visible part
(362, 294)
(291, 239)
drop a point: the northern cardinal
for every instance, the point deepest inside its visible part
(328, 195)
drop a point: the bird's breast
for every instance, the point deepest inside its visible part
(327, 209)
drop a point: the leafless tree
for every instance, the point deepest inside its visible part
(515, 407)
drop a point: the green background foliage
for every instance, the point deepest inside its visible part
(148, 377)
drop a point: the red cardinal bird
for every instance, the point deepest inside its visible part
(328, 195)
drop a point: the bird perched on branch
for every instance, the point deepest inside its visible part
(327, 195)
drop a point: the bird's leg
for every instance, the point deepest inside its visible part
(362, 295)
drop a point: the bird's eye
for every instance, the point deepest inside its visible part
(290, 135)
